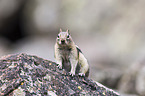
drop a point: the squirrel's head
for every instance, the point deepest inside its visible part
(64, 38)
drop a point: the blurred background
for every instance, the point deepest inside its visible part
(111, 34)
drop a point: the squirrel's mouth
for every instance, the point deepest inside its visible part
(63, 42)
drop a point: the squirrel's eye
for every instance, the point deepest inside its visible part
(67, 36)
(58, 36)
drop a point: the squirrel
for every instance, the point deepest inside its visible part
(69, 57)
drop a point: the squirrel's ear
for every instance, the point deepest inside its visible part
(68, 31)
(60, 30)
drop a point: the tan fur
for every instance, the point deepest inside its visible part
(69, 56)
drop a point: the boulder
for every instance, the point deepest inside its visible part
(26, 75)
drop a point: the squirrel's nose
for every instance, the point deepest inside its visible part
(62, 41)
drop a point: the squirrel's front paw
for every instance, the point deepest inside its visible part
(59, 66)
(82, 74)
(71, 73)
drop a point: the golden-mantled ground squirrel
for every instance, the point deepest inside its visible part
(69, 56)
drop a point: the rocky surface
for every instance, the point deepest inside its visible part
(23, 74)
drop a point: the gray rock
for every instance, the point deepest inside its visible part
(23, 74)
